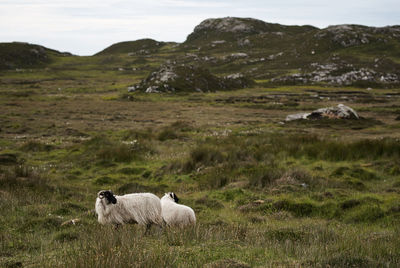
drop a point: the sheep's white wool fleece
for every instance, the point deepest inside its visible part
(175, 214)
(141, 208)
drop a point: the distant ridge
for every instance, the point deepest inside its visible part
(141, 46)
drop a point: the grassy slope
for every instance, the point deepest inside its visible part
(328, 191)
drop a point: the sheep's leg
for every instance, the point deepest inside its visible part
(116, 226)
(160, 228)
(148, 227)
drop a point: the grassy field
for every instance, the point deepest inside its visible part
(266, 193)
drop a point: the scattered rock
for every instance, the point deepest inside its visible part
(245, 42)
(152, 89)
(274, 56)
(217, 42)
(234, 76)
(339, 112)
(71, 222)
(238, 55)
(251, 206)
(347, 35)
(132, 88)
(298, 116)
(335, 75)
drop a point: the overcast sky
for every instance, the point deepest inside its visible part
(84, 27)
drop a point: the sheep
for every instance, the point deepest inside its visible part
(140, 208)
(175, 214)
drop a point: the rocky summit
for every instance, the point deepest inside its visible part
(231, 24)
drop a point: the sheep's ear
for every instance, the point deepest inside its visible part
(100, 194)
(176, 199)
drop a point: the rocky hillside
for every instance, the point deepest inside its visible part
(337, 55)
(340, 55)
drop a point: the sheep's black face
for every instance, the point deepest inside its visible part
(109, 196)
(173, 196)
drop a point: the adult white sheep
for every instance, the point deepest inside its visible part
(175, 214)
(140, 208)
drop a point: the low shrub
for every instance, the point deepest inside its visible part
(167, 134)
(261, 177)
(104, 180)
(209, 202)
(106, 151)
(66, 236)
(131, 170)
(35, 146)
(134, 187)
(284, 234)
(299, 209)
(214, 178)
(351, 203)
(347, 260)
(366, 213)
(21, 177)
(8, 159)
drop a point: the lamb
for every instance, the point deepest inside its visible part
(140, 208)
(176, 215)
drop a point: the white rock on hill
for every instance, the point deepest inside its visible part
(339, 112)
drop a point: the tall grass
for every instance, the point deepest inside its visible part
(104, 150)
(279, 214)
(236, 150)
(259, 159)
(304, 243)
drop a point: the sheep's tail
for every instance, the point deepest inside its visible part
(192, 220)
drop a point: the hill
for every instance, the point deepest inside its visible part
(140, 47)
(25, 55)
(235, 29)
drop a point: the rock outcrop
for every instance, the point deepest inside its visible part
(188, 78)
(230, 24)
